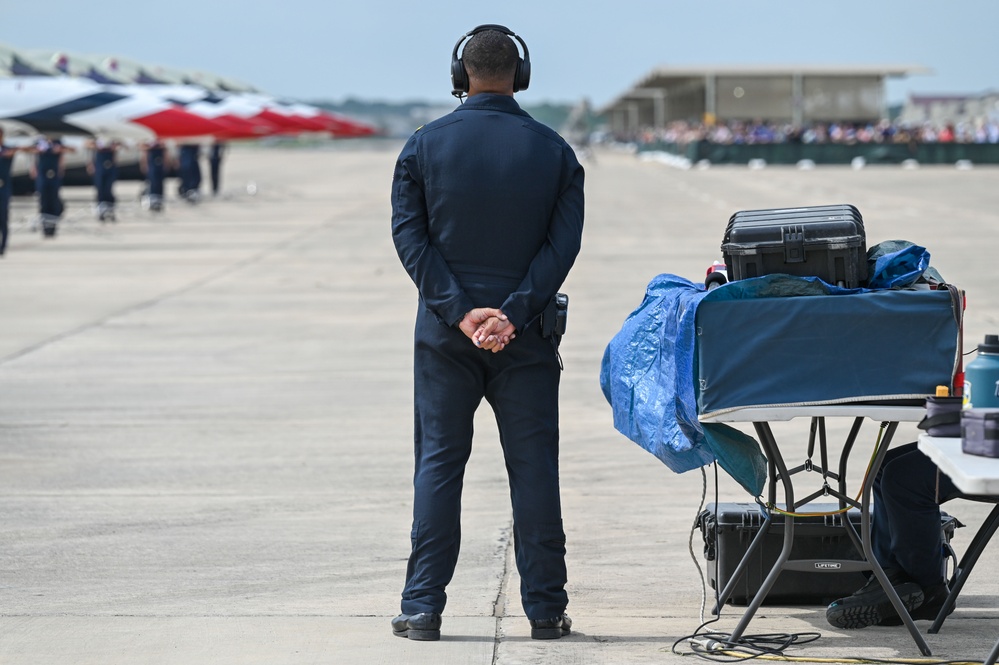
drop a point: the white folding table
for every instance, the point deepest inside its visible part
(779, 475)
(972, 474)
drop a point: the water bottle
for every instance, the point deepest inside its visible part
(981, 376)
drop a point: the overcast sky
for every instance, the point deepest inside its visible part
(396, 50)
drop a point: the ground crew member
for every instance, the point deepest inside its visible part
(6, 187)
(104, 170)
(47, 172)
(189, 172)
(907, 541)
(154, 165)
(215, 165)
(487, 218)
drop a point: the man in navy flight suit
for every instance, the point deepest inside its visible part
(154, 165)
(487, 218)
(47, 172)
(6, 188)
(104, 170)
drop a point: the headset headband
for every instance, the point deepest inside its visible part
(459, 76)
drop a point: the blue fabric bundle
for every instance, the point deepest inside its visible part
(647, 371)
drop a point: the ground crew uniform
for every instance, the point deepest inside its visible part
(215, 165)
(6, 187)
(189, 171)
(105, 175)
(487, 212)
(48, 182)
(155, 174)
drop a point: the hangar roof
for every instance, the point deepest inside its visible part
(672, 76)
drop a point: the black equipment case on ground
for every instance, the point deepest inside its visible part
(828, 242)
(727, 537)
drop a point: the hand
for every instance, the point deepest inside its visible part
(494, 334)
(488, 328)
(476, 317)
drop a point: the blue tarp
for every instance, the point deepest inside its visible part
(647, 371)
(647, 376)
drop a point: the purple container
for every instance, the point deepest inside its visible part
(980, 432)
(943, 417)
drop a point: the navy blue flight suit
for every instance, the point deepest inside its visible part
(155, 174)
(105, 175)
(487, 211)
(215, 165)
(6, 187)
(190, 171)
(48, 178)
(905, 529)
(48, 182)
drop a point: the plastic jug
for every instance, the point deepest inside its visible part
(981, 376)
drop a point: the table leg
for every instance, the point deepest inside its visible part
(740, 569)
(865, 528)
(968, 561)
(773, 455)
(778, 468)
(993, 655)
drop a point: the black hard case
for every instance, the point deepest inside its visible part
(828, 242)
(727, 537)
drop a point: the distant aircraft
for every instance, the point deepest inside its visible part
(62, 105)
(232, 99)
(234, 110)
(82, 97)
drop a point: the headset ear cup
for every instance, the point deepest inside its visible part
(459, 77)
(522, 78)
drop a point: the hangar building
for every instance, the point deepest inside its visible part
(798, 95)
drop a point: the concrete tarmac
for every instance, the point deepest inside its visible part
(206, 424)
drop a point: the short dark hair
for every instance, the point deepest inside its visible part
(491, 55)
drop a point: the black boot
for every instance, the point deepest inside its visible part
(870, 605)
(425, 626)
(551, 629)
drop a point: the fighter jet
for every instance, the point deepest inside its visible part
(62, 105)
(231, 99)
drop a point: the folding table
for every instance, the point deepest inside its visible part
(780, 476)
(973, 475)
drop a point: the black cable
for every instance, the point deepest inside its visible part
(704, 644)
(717, 647)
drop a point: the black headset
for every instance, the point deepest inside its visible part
(459, 76)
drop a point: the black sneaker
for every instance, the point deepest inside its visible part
(425, 626)
(933, 599)
(870, 604)
(551, 629)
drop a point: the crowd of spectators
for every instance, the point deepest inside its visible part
(683, 132)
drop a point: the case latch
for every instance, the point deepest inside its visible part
(794, 244)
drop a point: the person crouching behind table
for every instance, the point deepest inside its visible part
(487, 219)
(907, 541)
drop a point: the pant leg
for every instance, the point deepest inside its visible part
(448, 382)
(4, 219)
(104, 181)
(523, 391)
(48, 196)
(215, 166)
(156, 182)
(196, 173)
(910, 505)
